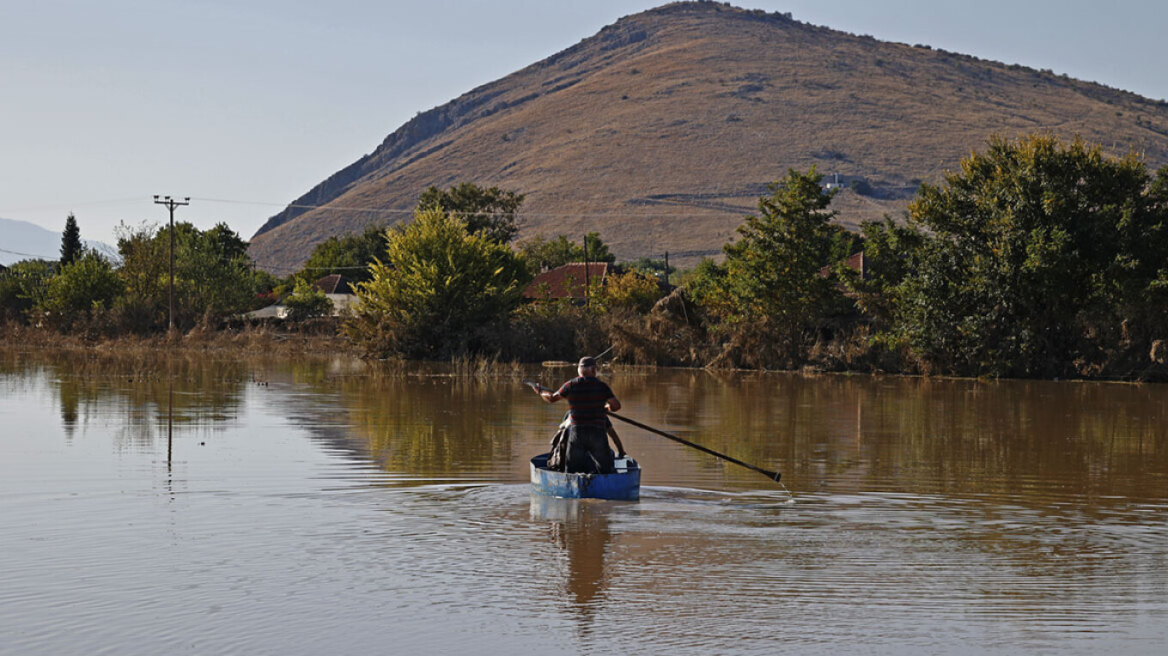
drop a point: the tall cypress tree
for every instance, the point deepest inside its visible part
(70, 241)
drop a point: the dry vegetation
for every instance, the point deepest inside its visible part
(314, 337)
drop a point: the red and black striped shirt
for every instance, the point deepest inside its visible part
(586, 398)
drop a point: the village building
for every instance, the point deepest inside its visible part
(338, 289)
(568, 282)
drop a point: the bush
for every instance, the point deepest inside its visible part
(630, 290)
(307, 301)
(22, 287)
(438, 289)
(1037, 258)
(87, 285)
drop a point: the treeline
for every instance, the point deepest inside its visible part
(88, 293)
(1036, 258)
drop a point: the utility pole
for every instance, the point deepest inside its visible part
(587, 282)
(170, 204)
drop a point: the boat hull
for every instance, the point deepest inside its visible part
(624, 485)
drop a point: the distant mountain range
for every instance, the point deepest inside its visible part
(21, 240)
(664, 128)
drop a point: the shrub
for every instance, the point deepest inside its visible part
(439, 286)
(307, 301)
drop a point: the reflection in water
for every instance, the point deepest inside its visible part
(344, 506)
(580, 529)
(140, 388)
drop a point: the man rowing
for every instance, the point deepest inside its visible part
(589, 398)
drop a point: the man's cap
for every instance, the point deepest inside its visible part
(587, 361)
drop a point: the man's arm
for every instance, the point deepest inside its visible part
(547, 394)
(613, 404)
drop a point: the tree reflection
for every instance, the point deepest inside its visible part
(134, 390)
(430, 424)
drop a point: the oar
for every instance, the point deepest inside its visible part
(774, 476)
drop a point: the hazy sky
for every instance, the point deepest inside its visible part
(105, 103)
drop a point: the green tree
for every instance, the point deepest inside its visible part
(490, 211)
(307, 301)
(71, 247)
(541, 253)
(1034, 256)
(771, 284)
(437, 286)
(85, 285)
(595, 250)
(886, 246)
(349, 255)
(652, 267)
(213, 276)
(23, 286)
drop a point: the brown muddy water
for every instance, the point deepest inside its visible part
(243, 506)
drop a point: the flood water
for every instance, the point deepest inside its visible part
(235, 506)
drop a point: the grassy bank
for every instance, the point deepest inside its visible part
(314, 337)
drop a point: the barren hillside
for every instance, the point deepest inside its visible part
(663, 129)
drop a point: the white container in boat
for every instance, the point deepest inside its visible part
(621, 464)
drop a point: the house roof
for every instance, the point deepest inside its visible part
(567, 281)
(855, 262)
(334, 283)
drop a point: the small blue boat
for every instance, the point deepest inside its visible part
(624, 485)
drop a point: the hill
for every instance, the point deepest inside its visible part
(21, 240)
(663, 129)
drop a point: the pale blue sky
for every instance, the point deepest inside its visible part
(107, 102)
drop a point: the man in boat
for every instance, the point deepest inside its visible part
(588, 400)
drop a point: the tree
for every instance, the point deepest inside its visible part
(436, 287)
(886, 246)
(490, 211)
(71, 247)
(595, 250)
(1033, 256)
(541, 253)
(307, 301)
(771, 284)
(212, 277)
(85, 285)
(630, 290)
(23, 286)
(652, 267)
(349, 255)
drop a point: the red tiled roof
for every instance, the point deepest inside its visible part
(334, 283)
(567, 281)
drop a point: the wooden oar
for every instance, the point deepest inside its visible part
(774, 476)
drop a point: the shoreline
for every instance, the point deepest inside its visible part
(259, 340)
(322, 340)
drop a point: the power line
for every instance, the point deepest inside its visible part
(521, 214)
(39, 257)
